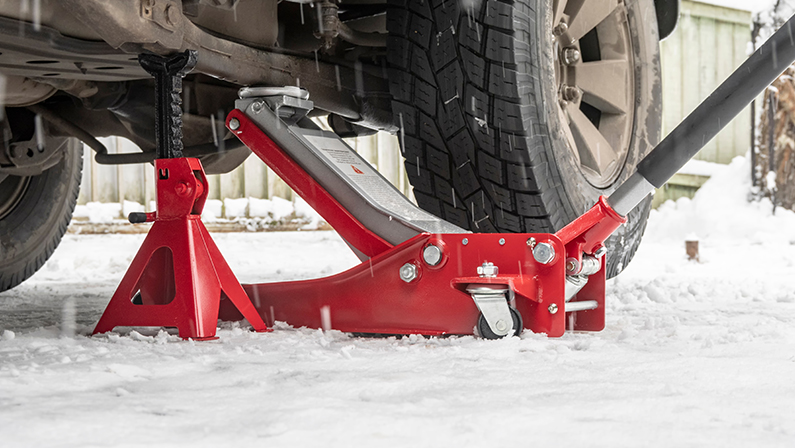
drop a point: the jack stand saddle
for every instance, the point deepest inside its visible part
(179, 277)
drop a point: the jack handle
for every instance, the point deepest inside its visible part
(712, 115)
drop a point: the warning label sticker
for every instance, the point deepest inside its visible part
(360, 173)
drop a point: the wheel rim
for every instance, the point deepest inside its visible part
(594, 74)
(12, 189)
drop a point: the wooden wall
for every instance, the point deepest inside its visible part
(708, 44)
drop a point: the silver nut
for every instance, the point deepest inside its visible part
(234, 124)
(488, 270)
(502, 241)
(465, 241)
(531, 242)
(570, 93)
(257, 106)
(572, 266)
(553, 309)
(408, 272)
(500, 325)
(432, 255)
(560, 29)
(544, 253)
(571, 56)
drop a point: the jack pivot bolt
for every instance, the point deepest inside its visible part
(234, 124)
(408, 272)
(573, 266)
(183, 189)
(488, 270)
(432, 255)
(544, 253)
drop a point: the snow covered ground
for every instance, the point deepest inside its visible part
(694, 354)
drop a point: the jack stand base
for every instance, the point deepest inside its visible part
(179, 277)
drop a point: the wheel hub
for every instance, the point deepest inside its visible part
(594, 75)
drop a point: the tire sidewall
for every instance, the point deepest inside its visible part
(31, 232)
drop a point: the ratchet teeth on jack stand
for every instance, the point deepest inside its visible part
(178, 277)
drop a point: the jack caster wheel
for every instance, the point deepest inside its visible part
(485, 331)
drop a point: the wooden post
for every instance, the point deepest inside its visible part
(691, 247)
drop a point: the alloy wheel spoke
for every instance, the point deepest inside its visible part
(590, 14)
(594, 150)
(557, 7)
(604, 85)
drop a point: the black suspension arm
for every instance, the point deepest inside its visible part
(712, 115)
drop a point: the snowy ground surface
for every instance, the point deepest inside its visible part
(694, 354)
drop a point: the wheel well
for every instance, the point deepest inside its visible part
(667, 16)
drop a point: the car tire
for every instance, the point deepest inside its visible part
(493, 139)
(34, 214)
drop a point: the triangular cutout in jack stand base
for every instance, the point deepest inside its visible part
(178, 274)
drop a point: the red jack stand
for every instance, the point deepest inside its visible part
(178, 274)
(178, 278)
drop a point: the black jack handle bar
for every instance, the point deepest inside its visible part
(712, 115)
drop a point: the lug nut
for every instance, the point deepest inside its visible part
(570, 93)
(544, 253)
(408, 272)
(571, 56)
(432, 255)
(561, 29)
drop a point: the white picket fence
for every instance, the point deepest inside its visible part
(252, 179)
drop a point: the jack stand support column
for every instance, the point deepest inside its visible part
(178, 277)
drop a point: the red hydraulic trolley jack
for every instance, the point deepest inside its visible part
(178, 277)
(419, 274)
